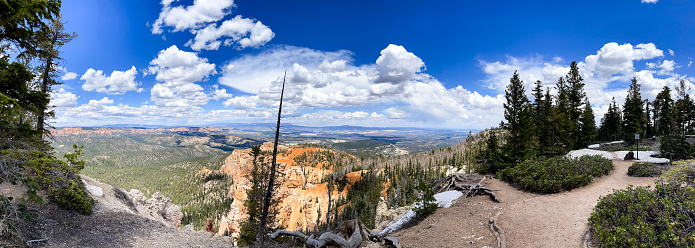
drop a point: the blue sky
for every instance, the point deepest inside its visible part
(440, 64)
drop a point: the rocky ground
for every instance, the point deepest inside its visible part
(120, 219)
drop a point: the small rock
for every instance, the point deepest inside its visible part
(188, 227)
(392, 242)
(157, 196)
(209, 227)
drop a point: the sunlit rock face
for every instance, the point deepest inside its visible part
(305, 198)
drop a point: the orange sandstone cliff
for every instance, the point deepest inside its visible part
(305, 199)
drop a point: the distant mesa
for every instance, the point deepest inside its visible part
(109, 131)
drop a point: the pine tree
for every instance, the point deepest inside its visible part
(21, 21)
(574, 94)
(254, 196)
(587, 125)
(649, 125)
(663, 112)
(679, 117)
(561, 118)
(611, 123)
(553, 125)
(684, 110)
(518, 114)
(490, 158)
(633, 112)
(52, 39)
(541, 107)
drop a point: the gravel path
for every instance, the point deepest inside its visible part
(527, 219)
(464, 224)
(559, 220)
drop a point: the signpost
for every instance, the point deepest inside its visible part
(637, 138)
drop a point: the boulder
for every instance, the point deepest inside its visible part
(137, 196)
(158, 207)
(94, 190)
(173, 214)
(629, 156)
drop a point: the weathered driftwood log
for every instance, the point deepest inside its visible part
(501, 241)
(348, 234)
(477, 190)
(469, 184)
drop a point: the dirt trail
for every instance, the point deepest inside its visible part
(527, 219)
(559, 220)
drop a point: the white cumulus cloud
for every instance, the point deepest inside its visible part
(332, 66)
(618, 59)
(118, 82)
(179, 71)
(191, 17)
(394, 85)
(220, 93)
(243, 32)
(250, 73)
(69, 76)
(62, 98)
(396, 65)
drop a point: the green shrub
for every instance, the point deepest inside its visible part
(682, 172)
(552, 175)
(74, 196)
(60, 179)
(640, 217)
(643, 169)
(675, 147)
(631, 148)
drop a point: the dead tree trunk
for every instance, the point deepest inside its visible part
(329, 185)
(348, 234)
(271, 179)
(466, 183)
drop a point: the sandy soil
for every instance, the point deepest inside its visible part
(527, 219)
(464, 224)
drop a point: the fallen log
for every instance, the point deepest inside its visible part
(466, 184)
(501, 241)
(348, 234)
